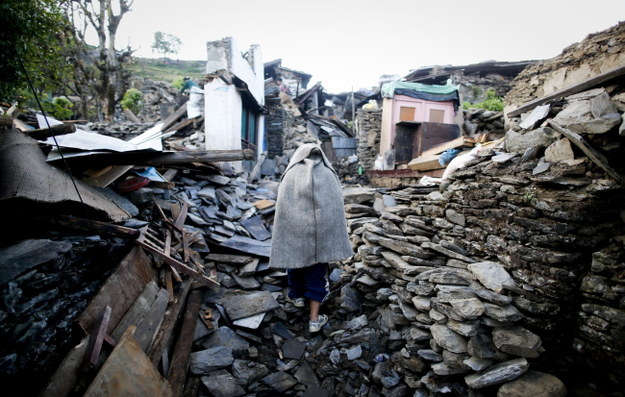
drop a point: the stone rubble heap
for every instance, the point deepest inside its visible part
(480, 121)
(449, 314)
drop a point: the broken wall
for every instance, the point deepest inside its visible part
(368, 127)
(596, 54)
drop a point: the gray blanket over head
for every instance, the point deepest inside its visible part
(309, 225)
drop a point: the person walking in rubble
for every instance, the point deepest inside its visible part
(309, 229)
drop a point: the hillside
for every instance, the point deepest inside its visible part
(167, 70)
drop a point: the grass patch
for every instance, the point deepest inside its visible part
(167, 70)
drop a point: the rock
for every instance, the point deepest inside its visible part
(538, 114)
(225, 337)
(205, 361)
(351, 299)
(279, 381)
(248, 372)
(498, 373)
(519, 142)
(492, 275)
(430, 355)
(221, 384)
(335, 356)
(540, 168)
(356, 323)
(533, 383)
(595, 115)
(517, 341)
(448, 339)
(492, 297)
(477, 364)
(385, 375)
(293, 349)
(464, 328)
(306, 376)
(468, 308)
(481, 346)
(558, 151)
(455, 217)
(354, 353)
(503, 314)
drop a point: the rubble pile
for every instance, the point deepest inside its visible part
(450, 316)
(483, 122)
(46, 283)
(597, 53)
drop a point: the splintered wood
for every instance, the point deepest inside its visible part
(170, 243)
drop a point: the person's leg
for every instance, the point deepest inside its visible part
(316, 287)
(296, 279)
(314, 309)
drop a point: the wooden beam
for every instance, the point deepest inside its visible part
(460, 142)
(128, 372)
(151, 322)
(574, 89)
(130, 278)
(166, 333)
(45, 133)
(425, 163)
(180, 361)
(98, 337)
(588, 150)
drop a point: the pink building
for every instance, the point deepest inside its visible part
(418, 116)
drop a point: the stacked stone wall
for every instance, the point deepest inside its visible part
(368, 127)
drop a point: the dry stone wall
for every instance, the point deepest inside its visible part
(369, 126)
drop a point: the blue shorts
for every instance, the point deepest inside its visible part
(309, 282)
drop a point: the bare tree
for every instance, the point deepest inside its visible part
(104, 17)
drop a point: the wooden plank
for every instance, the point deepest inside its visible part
(138, 309)
(120, 290)
(460, 142)
(182, 216)
(149, 325)
(165, 335)
(574, 89)
(592, 154)
(178, 113)
(128, 372)
(62, 382)
(229, 259)
(183, 123)
(180, 360)
(97, 339)
(425, 163)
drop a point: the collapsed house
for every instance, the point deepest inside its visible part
(504, 279)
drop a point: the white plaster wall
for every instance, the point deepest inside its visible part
(222, 115)
(253, 75)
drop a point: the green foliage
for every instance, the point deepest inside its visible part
(492, 102)
(132, 100)
(166, 43)
(27, 28)
(178, 83)
(60, 108)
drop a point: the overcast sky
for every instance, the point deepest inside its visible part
(349, 44)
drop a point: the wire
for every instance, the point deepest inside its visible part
(56, 143)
